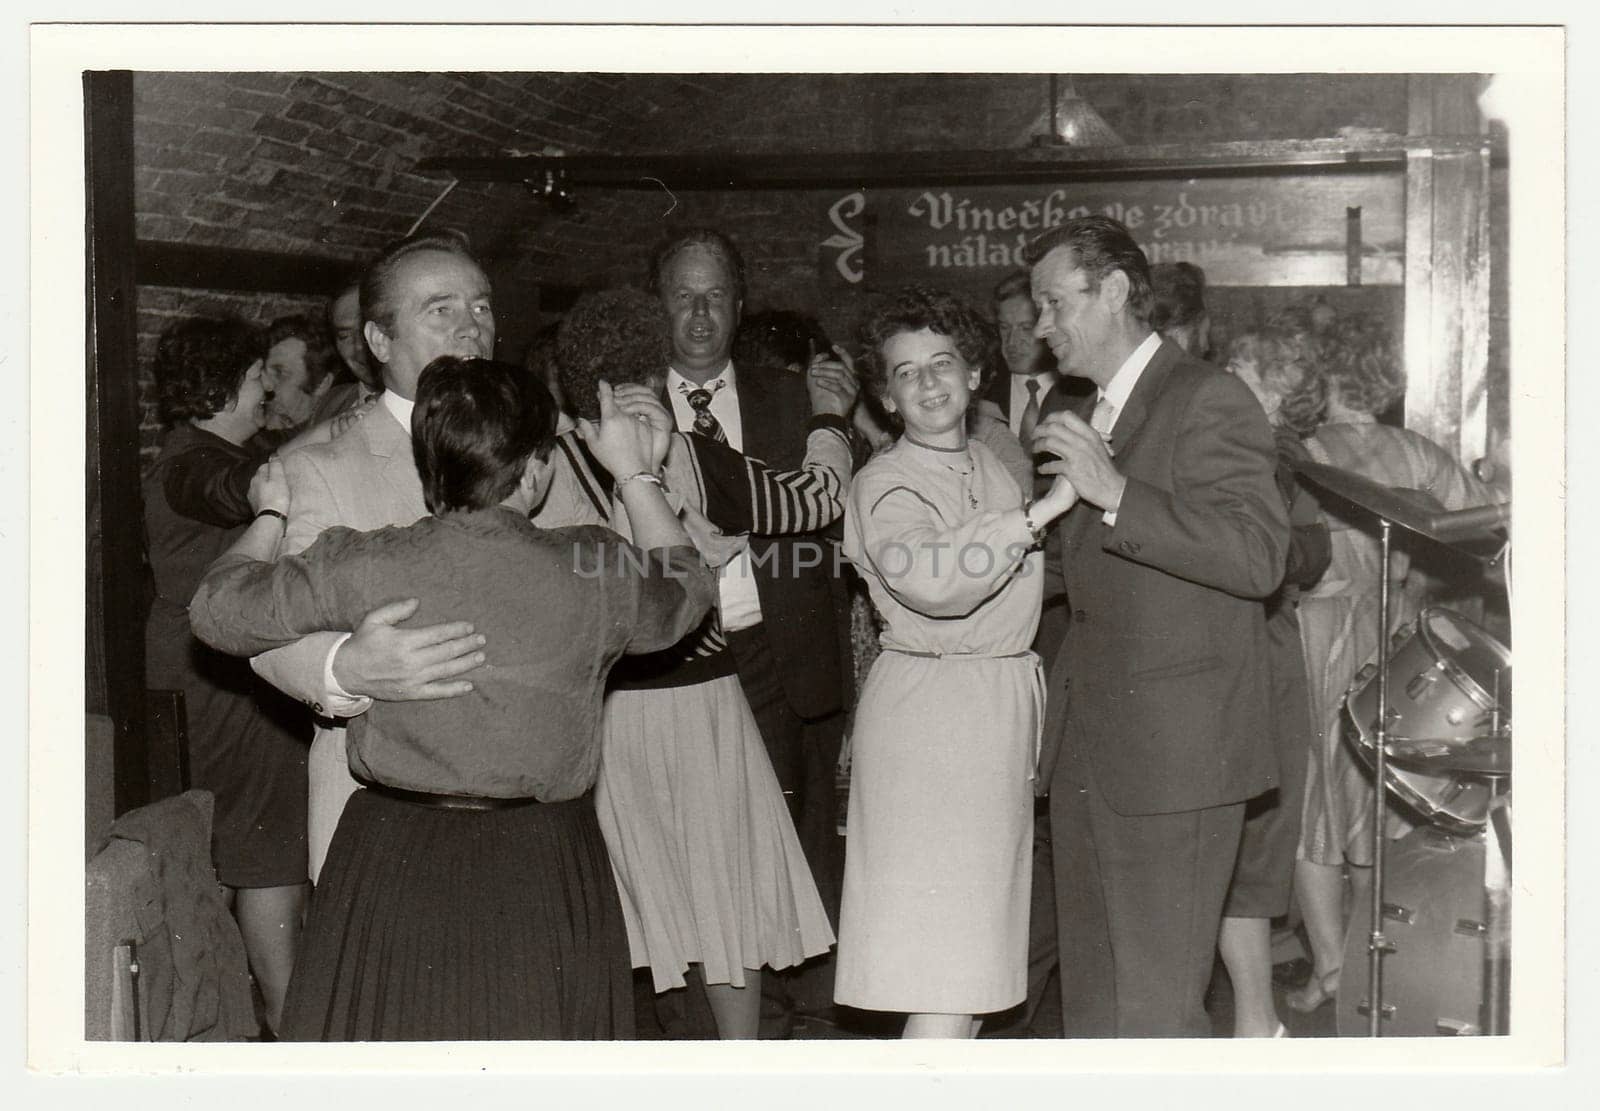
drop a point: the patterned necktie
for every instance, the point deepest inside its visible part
(1105, 415)
(705, 422)
(1030, 415)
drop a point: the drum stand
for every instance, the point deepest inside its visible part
(1377, 944)
(1497, 911)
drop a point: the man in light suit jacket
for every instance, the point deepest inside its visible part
(1179, 533)
(424, 297)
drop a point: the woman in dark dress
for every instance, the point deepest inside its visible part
(467, 893)
(246, 741)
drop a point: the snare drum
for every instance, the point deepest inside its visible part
(1434, 915)
(1452, 801)
(1443, 674)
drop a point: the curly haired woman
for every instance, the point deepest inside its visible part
(934, 921)
(708, 865)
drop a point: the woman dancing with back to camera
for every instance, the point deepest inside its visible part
(467, 892)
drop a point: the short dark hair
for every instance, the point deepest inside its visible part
(322, 358)
(912, 308)
(377, 304)
(620, 335)
(200, 363)
(711, 240)
(475, 424)
(352, 285)
(1179, 290)
(1100, 245)
(1015, 284)
(778, 338)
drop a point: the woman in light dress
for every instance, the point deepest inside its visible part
(708, 864)
(934, 921)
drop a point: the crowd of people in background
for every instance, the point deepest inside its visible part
(524, 687)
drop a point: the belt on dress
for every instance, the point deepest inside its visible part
(445, 802)
(1022, 655)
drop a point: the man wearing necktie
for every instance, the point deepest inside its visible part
(1032, 387)
(783, 610)
(1179, 533)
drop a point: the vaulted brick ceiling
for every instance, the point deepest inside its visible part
(325, 163)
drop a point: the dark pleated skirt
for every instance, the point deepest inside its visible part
(432, 924)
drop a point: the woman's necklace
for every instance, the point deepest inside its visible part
(966, 475)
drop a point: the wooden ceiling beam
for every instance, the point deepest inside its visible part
(559, 173)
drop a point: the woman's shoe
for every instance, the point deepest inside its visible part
(1317, 991)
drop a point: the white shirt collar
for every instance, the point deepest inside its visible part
(1120, 388)
(1046, 378)
(400, 407)
(675, 379)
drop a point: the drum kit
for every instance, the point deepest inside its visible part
(1438, 947)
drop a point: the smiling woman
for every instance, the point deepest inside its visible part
(937, 865)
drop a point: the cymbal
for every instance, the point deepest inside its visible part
(1488, 754)
(1465, 529)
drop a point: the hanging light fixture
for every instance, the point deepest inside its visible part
(1073, 121)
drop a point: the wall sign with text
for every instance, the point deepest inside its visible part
(1292, 230)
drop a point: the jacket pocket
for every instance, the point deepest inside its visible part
(1192, 666)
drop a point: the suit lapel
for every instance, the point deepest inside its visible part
(1137, 410)
(391, 443)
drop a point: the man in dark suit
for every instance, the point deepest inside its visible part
(1179, 534)
(365, 382)
(1031, 387)
(782, 608)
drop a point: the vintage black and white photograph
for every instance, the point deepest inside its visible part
(830, 539)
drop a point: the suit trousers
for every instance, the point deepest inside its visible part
(1139, 901)
(804, 754)
(1038, 1016)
